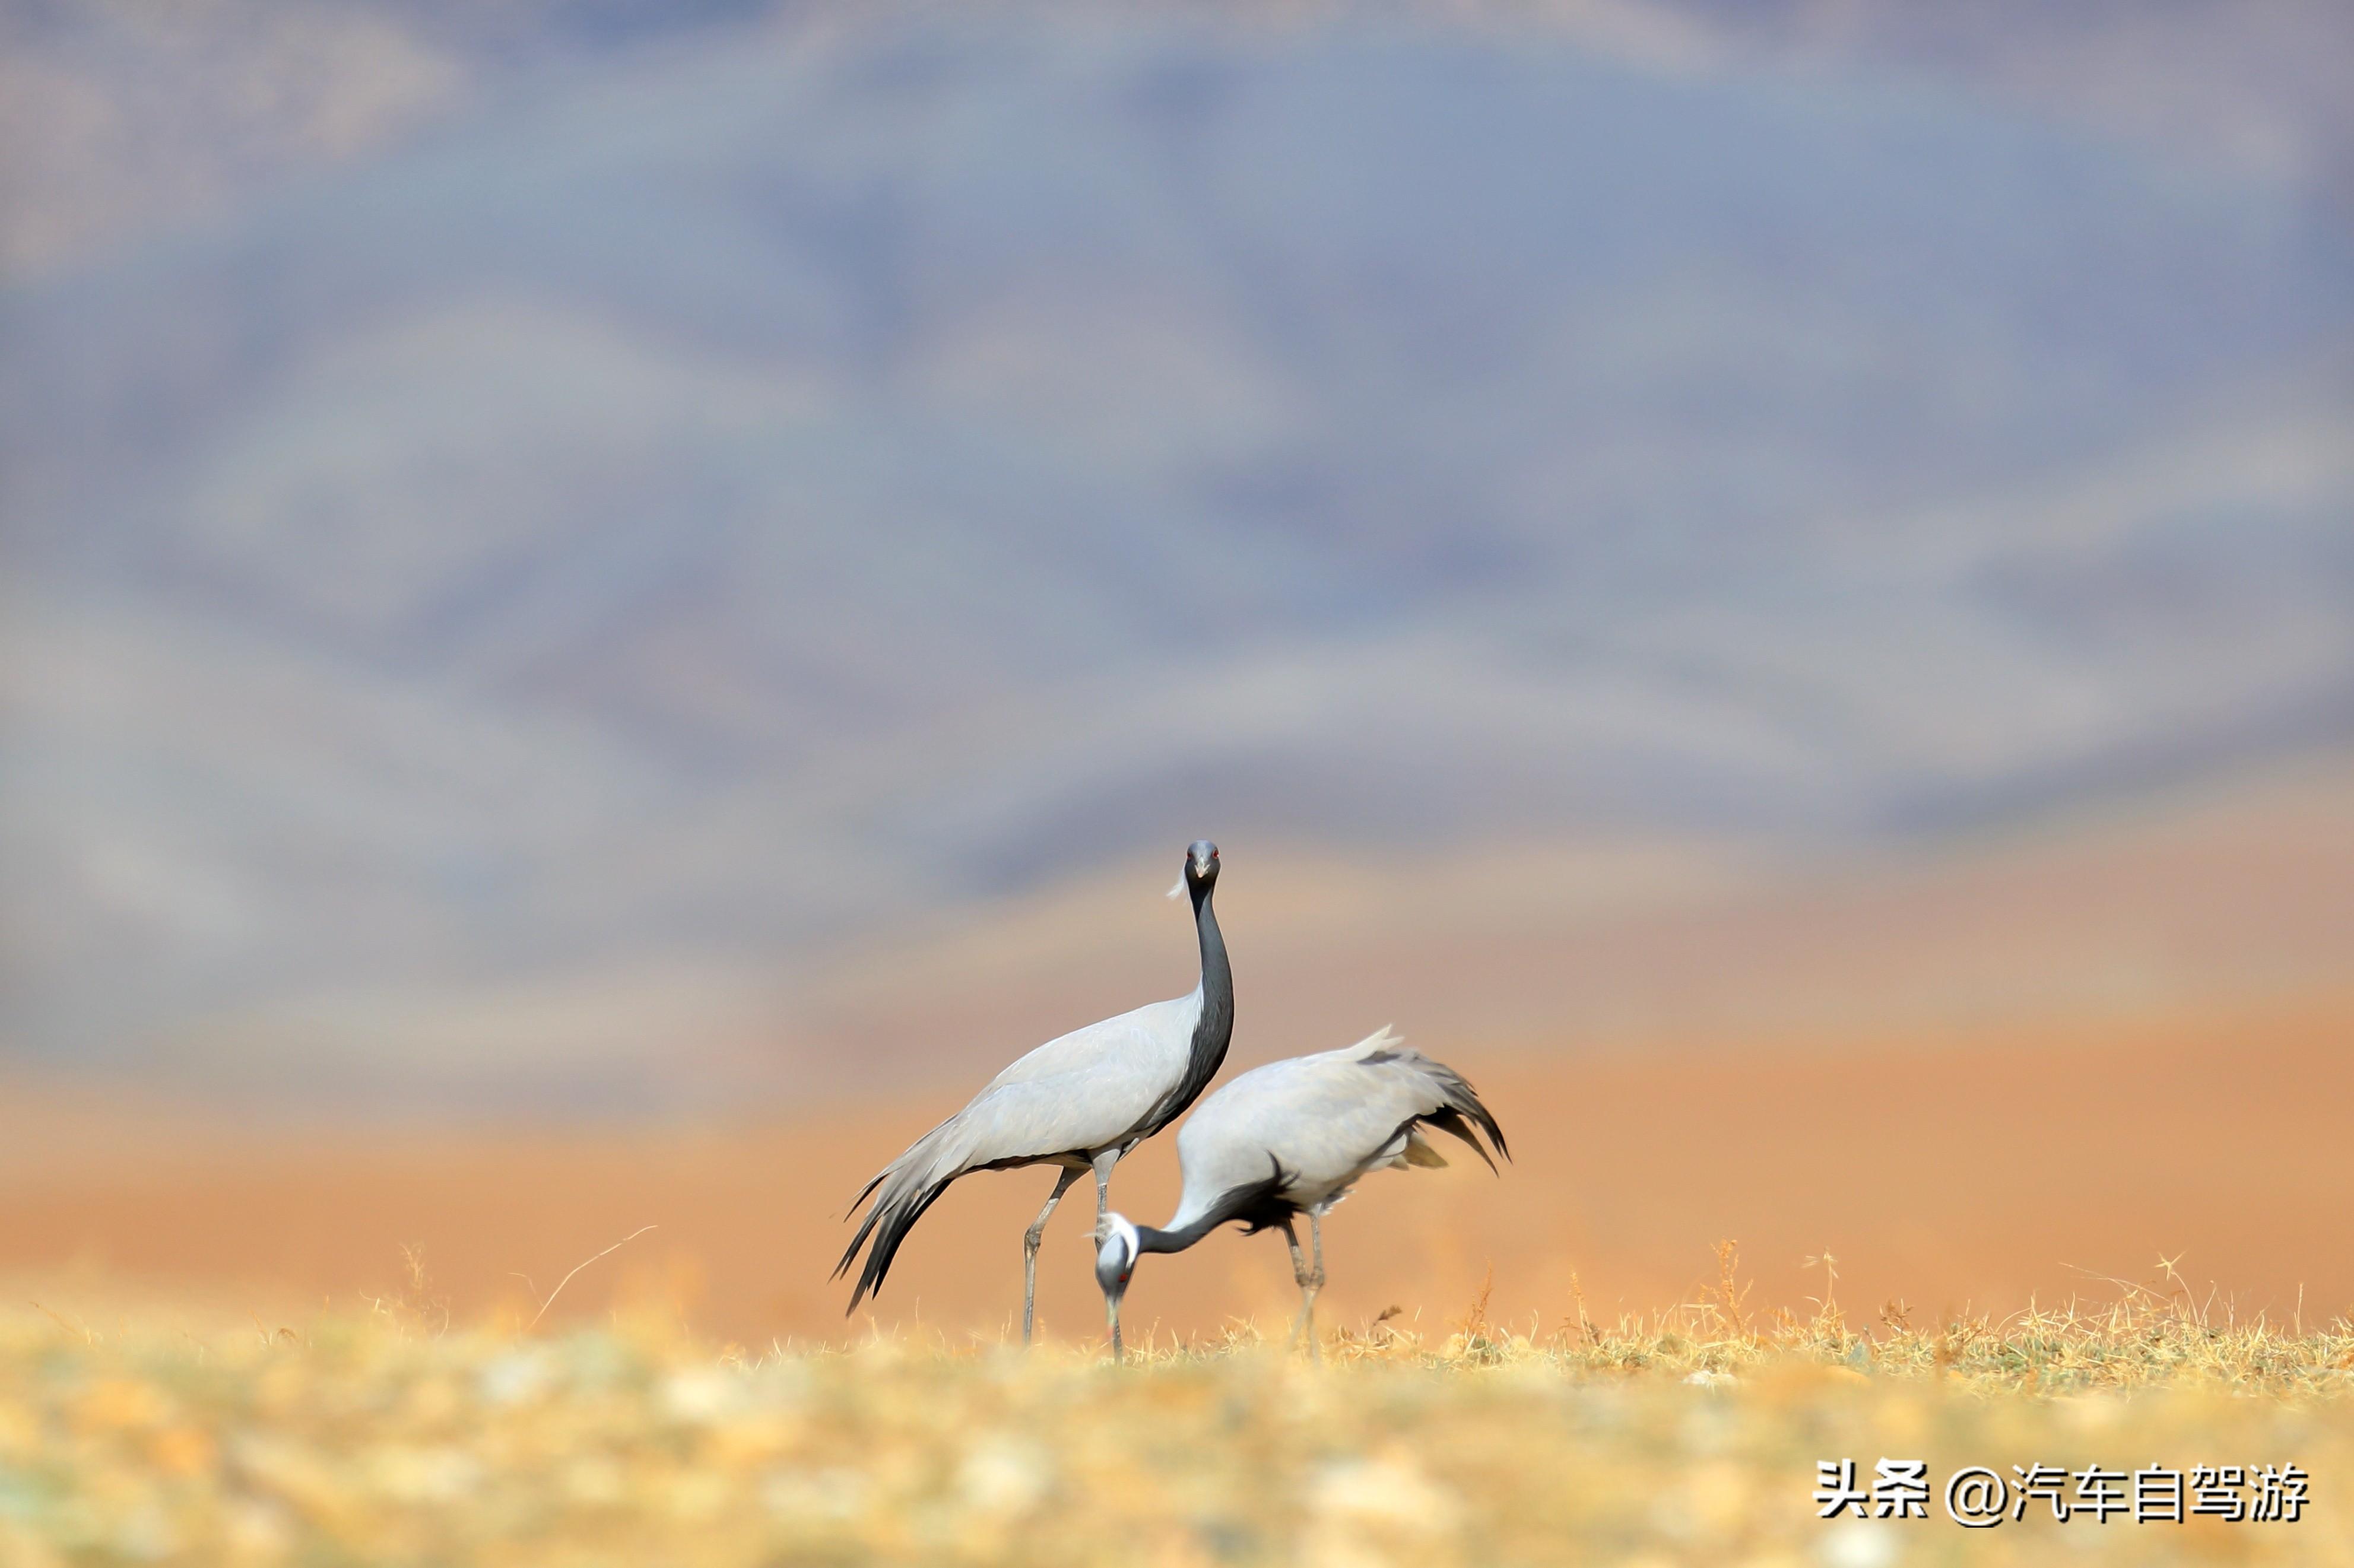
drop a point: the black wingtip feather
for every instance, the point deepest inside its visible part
(1467, 1103)
(890, 1223)
(1463, 1101)
(1452, 1123)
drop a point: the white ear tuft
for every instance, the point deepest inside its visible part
(1178, 889)
(1119, 1237)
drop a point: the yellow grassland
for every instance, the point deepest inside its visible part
(163, 1432)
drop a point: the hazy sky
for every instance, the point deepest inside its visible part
(573, 495)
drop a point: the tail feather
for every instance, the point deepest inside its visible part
(866, 1228)
(1450, 1121)
(1457, 1100)
(901, 1190)
(1462, 1100)
(897, 1219)
(863, 1194)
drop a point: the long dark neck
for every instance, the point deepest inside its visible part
(1257, 1205)
(1150, 1240)
(1213, 1029)
(1216, 1027)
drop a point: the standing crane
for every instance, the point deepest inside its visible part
(1292, 1137)
(1079, 1102)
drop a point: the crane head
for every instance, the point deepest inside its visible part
(1200, 869)
(1116, 1256)
(1116, 1251)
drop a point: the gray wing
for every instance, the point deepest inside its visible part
(1321, 1121)
(1080, 1092)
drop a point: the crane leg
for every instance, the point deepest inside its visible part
(1102, 1164)
(1308, 1281)
(1030, 1239)
(1315, 1277)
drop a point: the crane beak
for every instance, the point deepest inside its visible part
(1111, 1313)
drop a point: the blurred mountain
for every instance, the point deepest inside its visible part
(728, 493)
(121, 118)
(2263, 84)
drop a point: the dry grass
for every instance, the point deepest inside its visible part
(390, 1435)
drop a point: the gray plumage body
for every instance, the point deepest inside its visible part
(1296, 1135)
(1081, 1101)
(1293, 1137)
